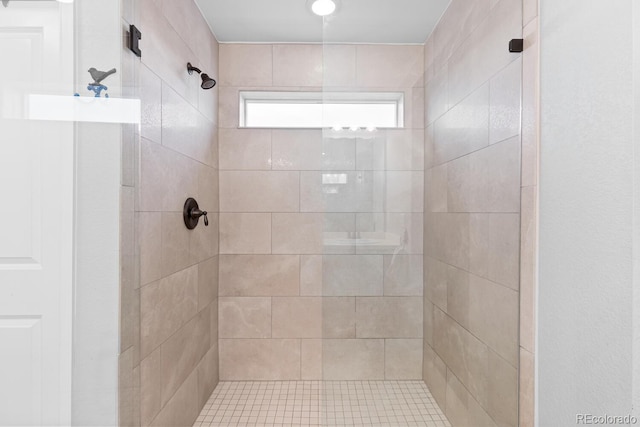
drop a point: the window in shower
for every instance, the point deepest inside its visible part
(337, 110)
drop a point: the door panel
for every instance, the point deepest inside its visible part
(36, 205)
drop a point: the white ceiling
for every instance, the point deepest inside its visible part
(290, 21)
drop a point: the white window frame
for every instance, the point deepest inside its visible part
(245, 97)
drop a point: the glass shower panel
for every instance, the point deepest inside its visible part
(371, 192)
(60, 177)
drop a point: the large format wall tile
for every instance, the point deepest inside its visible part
(403, 359)
(389, 317)
(245, 149)
(297, 65)
(259, 191)
(242, 317)
(177, 143)
(352, 275)
(255, 360)
(349, 359)
(259, 275)
(246, 65)
(297, 317)
(245, 233)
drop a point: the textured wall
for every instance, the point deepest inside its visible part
(588, 178)
(292, 304)
(472, 215)
(169, 313)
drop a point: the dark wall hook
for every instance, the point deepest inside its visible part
(516, 45)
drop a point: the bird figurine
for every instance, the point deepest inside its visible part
(98, 76)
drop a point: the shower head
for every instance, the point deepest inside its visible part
(207, 82)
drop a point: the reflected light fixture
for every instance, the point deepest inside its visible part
(323, 7)
(65, 1)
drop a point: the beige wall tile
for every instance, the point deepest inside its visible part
(167, 178)
(338, 317)
(464, 128)
(447, 238)
(208, 188)
(376, 63)
(203, 241)
(528, 267)
(311, 359)
(403, 359)
(436, 96)
(502, 391)
(458, 295)
(165, 306)
(352, 275)
(259, 191)
(353, 359)
(530, 103)
(208, 374)
(182, 352)
(526, 389)
(297, 65)
(338, 154)
(297, 317)
(484, 50)
(175, 243)
(529, 11)
(320, 193)
(403, 275)
(435, 375)
(168, 56)
(229, 111)
(495, 248)
(493, 317)
(487, 180)
(428, 321)
(245, 233)
(298, 233)
(339, 63)
(245, 149)
(297, 149)
(435, 282)
(207, 282)
(150, 91)
(311, 278)
(389, 317)
(259, 275)
(405, 149)
(246, 65)
(185, 129)
(256, 360)
(459, 20)
(244, 317)
(457, 402)
(182, 409)
(505, 96)
(150, 387)
(150, 246)
(435, 188)
(404, 191)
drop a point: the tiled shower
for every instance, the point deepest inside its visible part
(373, 259)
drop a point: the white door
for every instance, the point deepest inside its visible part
(36, 201)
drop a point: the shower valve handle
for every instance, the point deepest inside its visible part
(192, 213)
(197, 213)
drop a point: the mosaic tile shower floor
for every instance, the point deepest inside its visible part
(321, 403)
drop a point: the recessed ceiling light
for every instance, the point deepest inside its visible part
(323, 7)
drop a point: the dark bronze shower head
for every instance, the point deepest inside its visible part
(207, 82)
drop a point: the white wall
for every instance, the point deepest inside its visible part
(586, 210)
(97, 215)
